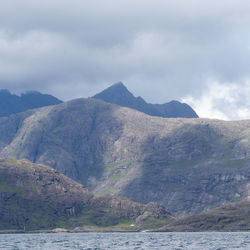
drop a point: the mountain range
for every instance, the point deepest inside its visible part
(116, 94)
(198, 169)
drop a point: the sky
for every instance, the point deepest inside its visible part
(193, 51)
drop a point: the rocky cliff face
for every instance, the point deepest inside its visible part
(36, 197)
(119, 94)
(187, 165)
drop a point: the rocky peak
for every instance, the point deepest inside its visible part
(120, 95)
(117, 94)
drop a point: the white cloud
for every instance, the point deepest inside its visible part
(227, 101)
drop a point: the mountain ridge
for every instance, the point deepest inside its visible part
(13, 104)
(120, 95)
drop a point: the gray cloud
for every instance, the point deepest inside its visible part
(160, 49)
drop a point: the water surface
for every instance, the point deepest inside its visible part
(126, 241)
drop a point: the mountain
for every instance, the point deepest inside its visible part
(119, 94)
(187, 165)
(36, 197)
(12, 104)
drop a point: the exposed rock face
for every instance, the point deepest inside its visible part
(187, 165)
(37, 197)
(119, 94)
(12, 104)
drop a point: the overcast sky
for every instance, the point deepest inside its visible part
(189, 50)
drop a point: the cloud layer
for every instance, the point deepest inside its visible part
(222, 101)
(160, 49)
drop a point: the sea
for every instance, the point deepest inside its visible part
(126, 241)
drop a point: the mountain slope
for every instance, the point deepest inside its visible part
(188, 165)
(229, 217)
(119, 94)
(12, 104)
(35, 197)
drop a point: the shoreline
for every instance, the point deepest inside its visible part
(68, 231)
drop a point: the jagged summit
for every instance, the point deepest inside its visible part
(114, 92)
(120, 95)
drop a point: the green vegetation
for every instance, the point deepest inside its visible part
(234, 163)
(12, 153)
(153, 223)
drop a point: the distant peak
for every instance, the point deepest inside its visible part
(116, 89)
(116, 94)
(119, 85)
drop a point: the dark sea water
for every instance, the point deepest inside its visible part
(126, 241)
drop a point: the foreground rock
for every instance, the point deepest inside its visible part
(36, 197)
